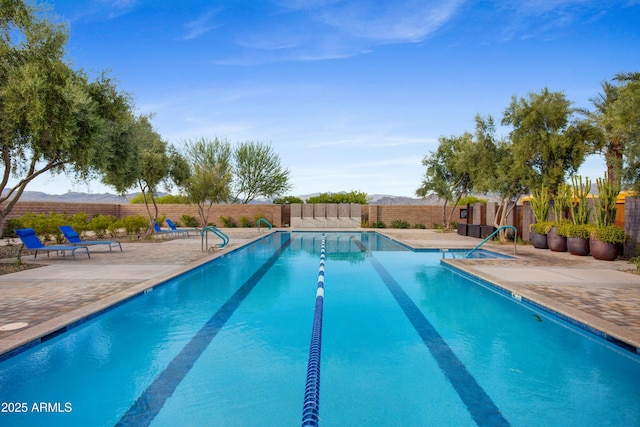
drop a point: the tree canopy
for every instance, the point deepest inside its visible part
(211, 173)
(549, 143)
(258, 172)
(52, 119)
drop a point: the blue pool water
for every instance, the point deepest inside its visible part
(405, 341)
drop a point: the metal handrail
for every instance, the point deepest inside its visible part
(515, 239)
(204, 244)
(267, 223)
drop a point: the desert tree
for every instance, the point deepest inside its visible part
(494, 170)
(258, 172)
(627, 112)
(50, 115)
(211, 174)
(549, 143)
(447, 174)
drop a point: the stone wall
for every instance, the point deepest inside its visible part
(320, 215)
(632, 226)
(427, 215)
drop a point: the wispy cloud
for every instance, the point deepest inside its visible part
(102, 10)
(311, 30)
(546, 19)
(390, 22)
(200, 26)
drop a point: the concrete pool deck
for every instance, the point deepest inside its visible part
(597, 293)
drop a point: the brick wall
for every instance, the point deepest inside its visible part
(413, 214)
(271, 213)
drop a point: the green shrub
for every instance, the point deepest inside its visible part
(134, 224)
(227, 221)
(45, 225)
(100, 223)
(399, 223)
(80, 222)
(245, 222)
(189, 221)
(351, 197)
(542, 227)
(12, 224)
(635, 260)
(419, 226)
(287, 200)
(379, 224)
(163, 200)
(609, 234)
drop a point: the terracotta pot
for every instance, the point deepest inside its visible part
(556, 243)
(578, 246)
(539, 241)
(603, 251)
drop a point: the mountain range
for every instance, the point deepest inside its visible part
(74, 197)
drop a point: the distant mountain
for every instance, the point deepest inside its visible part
(73, 197)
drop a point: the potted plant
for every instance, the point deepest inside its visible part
(577, 238)
(578, 231)
(561, 202)
(605, 240)
(540, 207)
(606, 236)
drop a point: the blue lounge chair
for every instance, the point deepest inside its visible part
(74, 239)
(31, 242)
(173, 227)
(160, 231)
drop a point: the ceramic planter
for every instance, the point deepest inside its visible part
(578, 246)
(603, 251)
(556, 243)
(539, 241)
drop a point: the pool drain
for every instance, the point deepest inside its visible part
(13, 326)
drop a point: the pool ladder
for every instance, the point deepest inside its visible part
(515, 239)
(265, 222)
(205, 237)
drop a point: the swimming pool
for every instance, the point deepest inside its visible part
(405, 341)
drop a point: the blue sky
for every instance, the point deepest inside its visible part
(351, 94)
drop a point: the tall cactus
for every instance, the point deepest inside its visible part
(605, 205)
(540, 204)
(580, 212)
(561, 201)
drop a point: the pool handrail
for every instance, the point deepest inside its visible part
(515, 239)
(267, 223)
(205, 239)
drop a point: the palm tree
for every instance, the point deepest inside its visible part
(614, 140)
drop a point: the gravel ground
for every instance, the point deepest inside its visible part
(8, 255)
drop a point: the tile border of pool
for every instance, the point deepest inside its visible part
(50, 329)
(532, 303)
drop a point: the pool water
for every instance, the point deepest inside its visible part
(405, 341)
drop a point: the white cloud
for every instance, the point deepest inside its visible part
(200, 26)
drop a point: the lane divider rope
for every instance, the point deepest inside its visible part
(311, 409)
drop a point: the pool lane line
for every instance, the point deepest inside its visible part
(481, 407)
(311, 408)
(151, 401)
